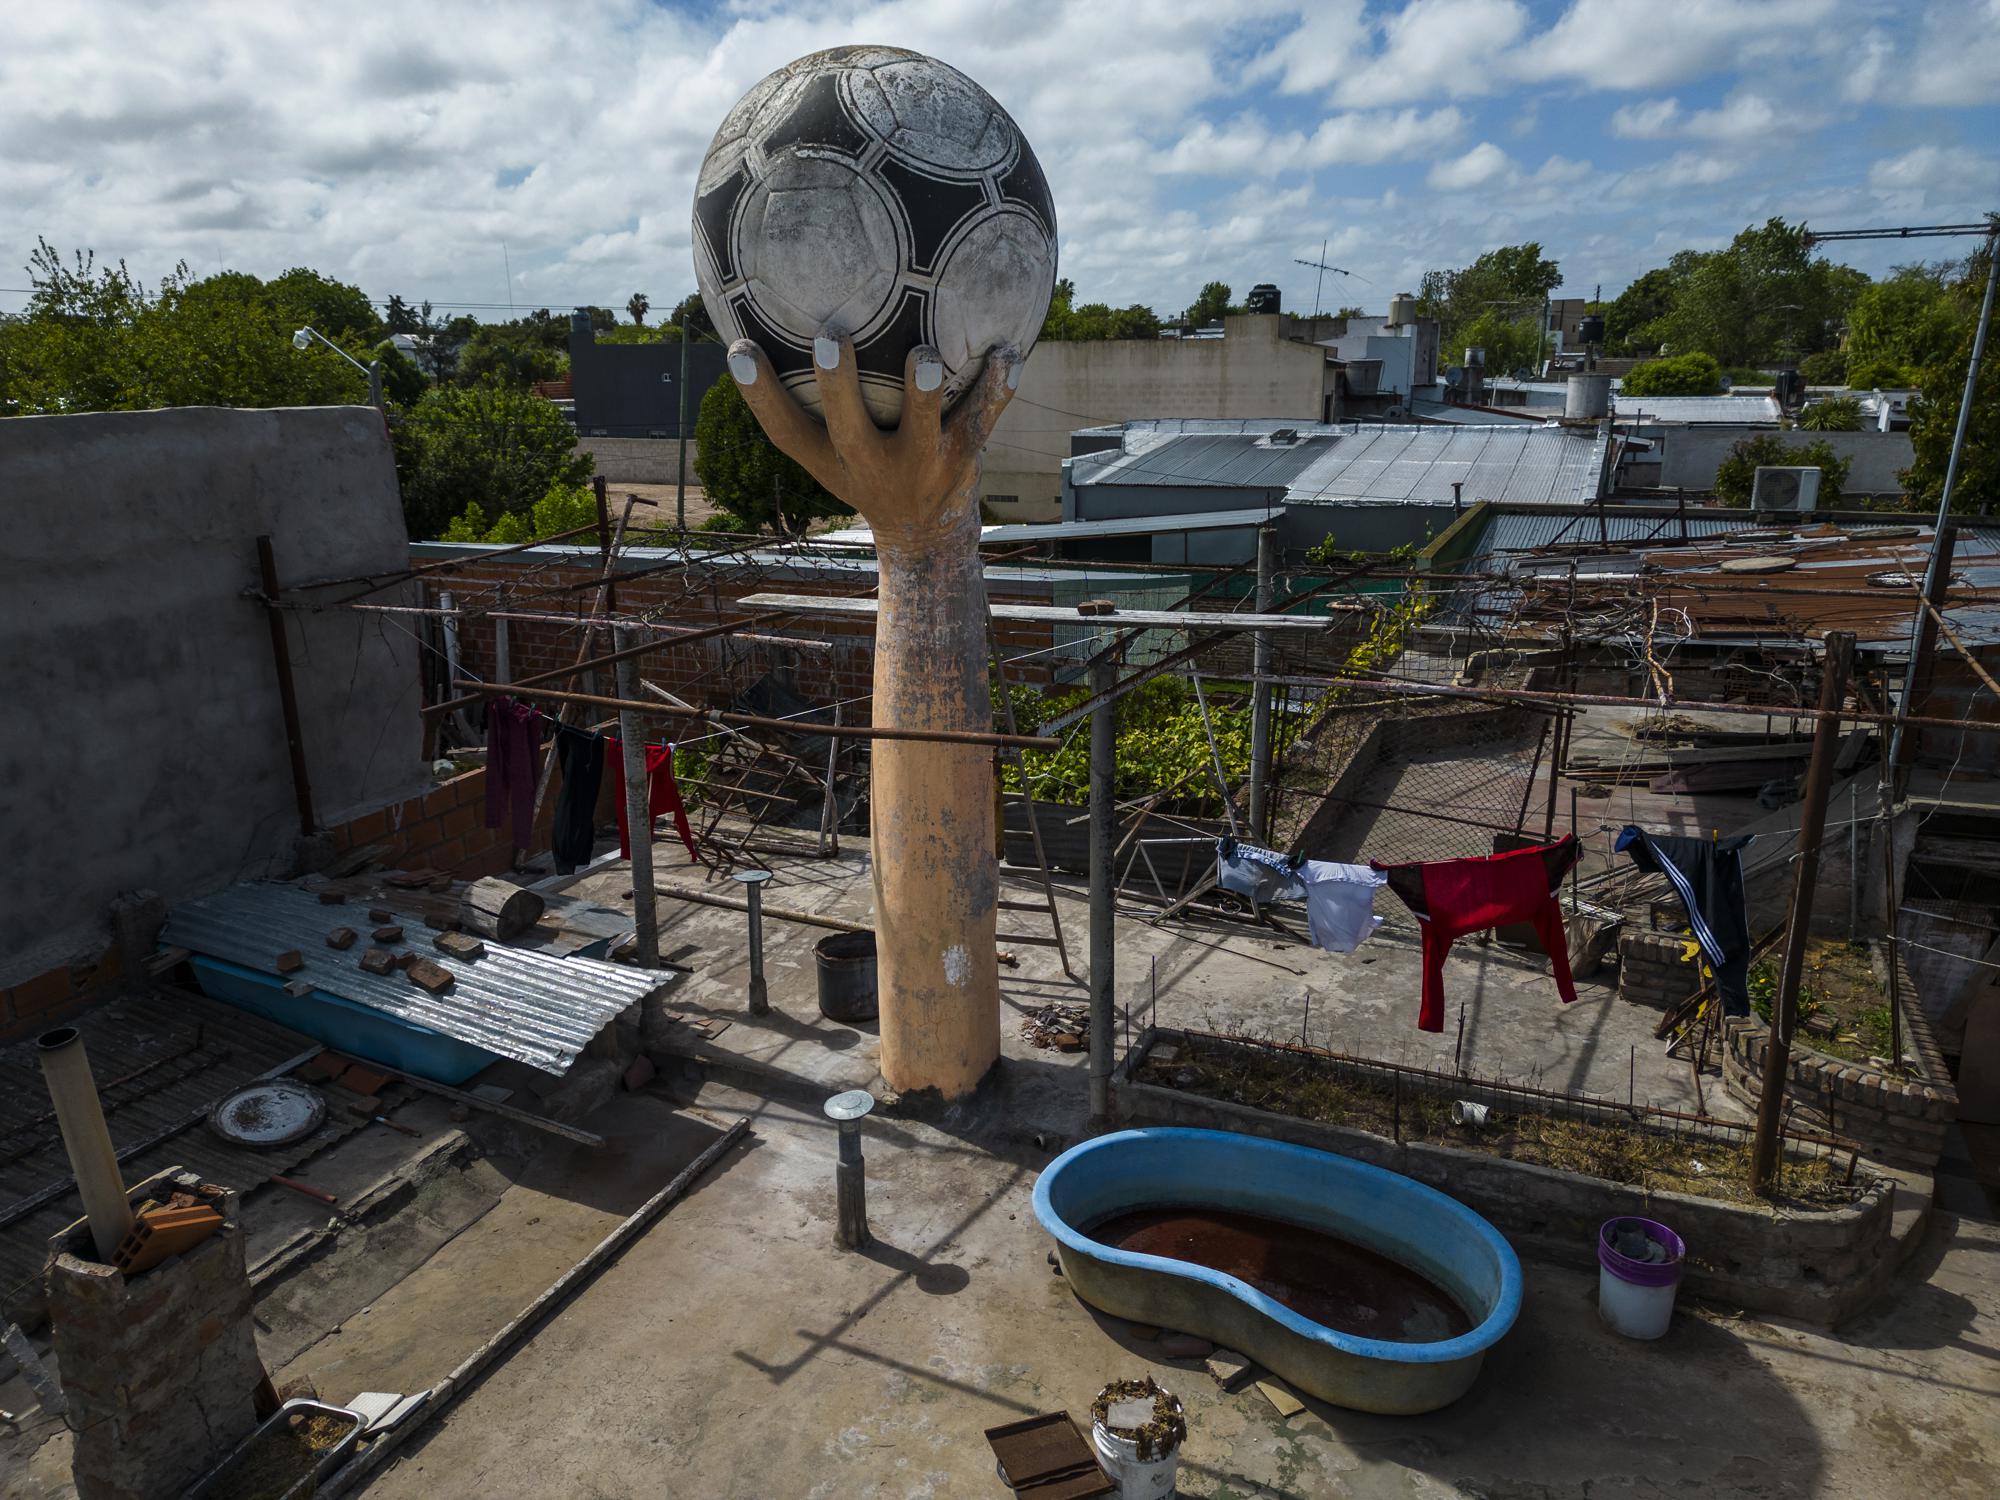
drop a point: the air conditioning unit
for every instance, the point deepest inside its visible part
(1788, 488)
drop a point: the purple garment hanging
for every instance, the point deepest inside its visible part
(513, 735)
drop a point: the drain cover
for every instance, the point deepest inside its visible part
(268, 1114)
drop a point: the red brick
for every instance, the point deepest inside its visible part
(459, 821)
(367, 828)
(449, 855)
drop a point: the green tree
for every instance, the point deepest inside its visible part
(1210, 304)
(690, 314)
(508, 354)
(1910, 320)
(1828, 367)
(1509, 341)
(1840, 414)
(399, 317)
(94, 339)
(402, 382)
(339, 311)
(485, 449)
(1765, 298)
(564, 508)
(743, 472)
(1350, 312)
(1097, 320)
(638, 305)
(1512, 282)
(641, 333)
(1881, 375)
(1062, 304)
(1934, 415)
(1680, 375)
(1736, 475)
(1631, 318)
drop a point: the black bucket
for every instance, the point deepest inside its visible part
(846, 963)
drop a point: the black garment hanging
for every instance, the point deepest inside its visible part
(581, 756)
(1708, 877)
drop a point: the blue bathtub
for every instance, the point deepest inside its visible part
(358, 1030)
(1382, 1211)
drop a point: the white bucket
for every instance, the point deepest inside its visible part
(1137, 1478)
(1636, 1297)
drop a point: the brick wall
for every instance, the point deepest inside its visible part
(709, 672)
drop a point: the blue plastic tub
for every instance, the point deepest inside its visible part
(1383, 1211)
(344, 1025)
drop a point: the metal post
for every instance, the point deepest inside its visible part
(1940, 566)
(638, 814)
(610, 590)
(1923, 648)
(1812, 824)
(1103, 889)
(681, 480)
(753, 882)
(850, 1174)
(1260, 690)
(288, 694)
(375, 384)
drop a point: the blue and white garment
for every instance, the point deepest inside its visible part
(1261, 874)
(1340, 903)
(1708, 877)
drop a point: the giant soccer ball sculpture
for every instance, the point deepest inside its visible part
(874, 236)
(881, 193)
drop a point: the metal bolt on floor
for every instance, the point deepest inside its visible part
(753, 882)
(850, 1177)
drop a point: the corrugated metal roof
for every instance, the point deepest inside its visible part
(514, 1002)
(1360, 463)
(1059, 531)
(1475, 416)
(1753, 411)
(1525, 530)
(1508, 462)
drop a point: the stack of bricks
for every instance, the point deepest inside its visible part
(1899, 1120)
(39, 1002)
(1652, 970)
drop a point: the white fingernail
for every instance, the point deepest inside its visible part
(744, 368)
(1013, 376)
(826, 353)
(930, 374)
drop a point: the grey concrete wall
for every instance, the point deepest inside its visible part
(640, 460)
(143, 744)
(1251, 372)
(1689, 456)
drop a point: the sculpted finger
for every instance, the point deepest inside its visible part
(784, 421)
(923, 396)
(972, 421)
(839, 377)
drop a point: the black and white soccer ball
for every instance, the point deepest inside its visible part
(884, 195)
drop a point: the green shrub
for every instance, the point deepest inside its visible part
(484, 450)
(1841, 414)
(1881, 375)
(1682, 375)
(1828, 367)
(564, 508)
(1737, 474)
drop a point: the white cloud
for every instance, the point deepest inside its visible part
(1940, 182)
(1685, 169)
(1956, 60)
(1742, 116)
(1437, 47)
(1329, 40)
(1247, 146)
(1639, 44)
(1482, 164)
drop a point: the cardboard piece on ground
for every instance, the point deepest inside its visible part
(1229, 1368)
(1276, 1392)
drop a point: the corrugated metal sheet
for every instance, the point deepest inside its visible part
(158, 1060)
(1228, 460)
(514, 1002)
(1526, 530)
(1755, 411)
(1508, 462)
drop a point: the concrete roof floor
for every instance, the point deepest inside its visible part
(733, 1352)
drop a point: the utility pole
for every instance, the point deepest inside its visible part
(681, 482)
(1260, 688)
(1103, 887)
(1812, 825)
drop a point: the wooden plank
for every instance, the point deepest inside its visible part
(1042, 614)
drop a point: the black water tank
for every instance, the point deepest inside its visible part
(1263, 298)
(1590, 329)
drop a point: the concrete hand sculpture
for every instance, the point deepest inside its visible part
(932, 804)
(874, 234)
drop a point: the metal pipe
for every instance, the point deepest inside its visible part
(1260, 691)
(753, 882)
(1812, 825)
(288, 694)
(850, 1173)
(681, 438)
(1103, 884)
(87, 1139)
(638, 819)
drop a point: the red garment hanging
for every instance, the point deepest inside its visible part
(663, 793)
(1452, 897)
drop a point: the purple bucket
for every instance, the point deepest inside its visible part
(1641, 1272)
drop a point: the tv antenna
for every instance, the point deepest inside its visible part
(1322, 267)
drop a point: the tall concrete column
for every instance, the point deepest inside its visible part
(1103, 884)
(1260, 690)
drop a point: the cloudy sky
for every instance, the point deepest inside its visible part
(545, 153)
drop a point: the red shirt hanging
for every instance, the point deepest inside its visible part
(1452, 897)
(663, 794)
